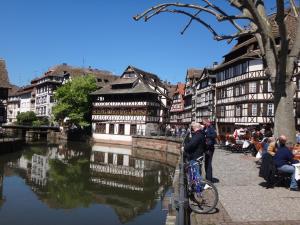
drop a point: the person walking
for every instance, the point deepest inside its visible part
(196, 146)
(210, 134)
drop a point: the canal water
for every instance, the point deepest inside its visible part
(75, 183)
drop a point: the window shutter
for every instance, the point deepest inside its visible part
(250, 109)
(218, 111)
(265, 86)
(257, 86)
(246, 88)
(265, 109)
(258, 109)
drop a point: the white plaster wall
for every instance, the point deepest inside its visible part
(127, 129)
(255, 65)
(24, 104)
(112, 137)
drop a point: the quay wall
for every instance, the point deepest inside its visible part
(161, 144)
(166, 150)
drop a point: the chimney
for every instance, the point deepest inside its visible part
(215, 64)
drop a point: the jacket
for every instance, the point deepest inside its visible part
(196, 146)
(211, 135)
(268, 169)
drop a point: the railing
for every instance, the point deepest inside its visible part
(182, 201)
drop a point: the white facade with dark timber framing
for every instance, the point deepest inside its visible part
(192, 77)
(244, 96)
(45, 87)
(205, 96)
(177, 107)
(135, 104)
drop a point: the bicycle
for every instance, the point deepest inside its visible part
(203, 195)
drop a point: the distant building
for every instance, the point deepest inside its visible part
(13, 108)
(192, 77)
(57, 76)
(205, 96)
(177, 107)
(136, 103)
(4, 87)
(45, 87)
(27, 98)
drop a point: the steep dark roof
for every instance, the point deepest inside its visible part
(124, 81)
(62, 69)
(4, 82)
(249, 42)
(140, 87)
(194, 73)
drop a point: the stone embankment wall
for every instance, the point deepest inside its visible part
(162, 144)
(166, 150)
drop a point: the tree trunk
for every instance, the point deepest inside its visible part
(284, 123)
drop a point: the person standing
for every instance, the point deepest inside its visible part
(210, 134)
(196, 146)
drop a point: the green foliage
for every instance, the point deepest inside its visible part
(26, 118)
(73, 100)
(68, 184)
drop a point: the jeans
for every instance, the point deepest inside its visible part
(195, 165)
(289, 169)
(208, 163)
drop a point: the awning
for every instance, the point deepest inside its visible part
(247, 124)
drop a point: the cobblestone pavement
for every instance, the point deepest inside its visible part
(243, 200)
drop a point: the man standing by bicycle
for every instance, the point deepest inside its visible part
(211, 135)
(197, 145)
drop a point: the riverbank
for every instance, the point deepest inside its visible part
(243, 199)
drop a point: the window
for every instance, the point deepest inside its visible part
(111, 128)
(238, 110)
(237, 91)
(100, 128)
(242, 89)
(120, 160)
(121, 129)
(269, 86)
(254, 110)
(270, 109)
(133, 129)
(252, 87)
(222, 111)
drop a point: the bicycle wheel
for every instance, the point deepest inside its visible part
(206, 200)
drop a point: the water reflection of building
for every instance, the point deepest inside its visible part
(116, 161)
(39, 168)
(64, 178)
(126, 183)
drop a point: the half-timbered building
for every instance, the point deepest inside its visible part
(244, 96)
(192, 76)
(205, 96)
(177, 107)
(136, 103)
(4, 86)
(45, 87)
(243, 92)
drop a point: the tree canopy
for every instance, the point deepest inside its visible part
(73, 100)
(26, 118)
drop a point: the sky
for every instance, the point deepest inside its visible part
(39, 34)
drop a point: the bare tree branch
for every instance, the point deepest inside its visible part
(191, 20)
(225, 16)
(217, 36)
(294, 8)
